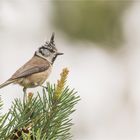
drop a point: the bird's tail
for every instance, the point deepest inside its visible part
(6, 83)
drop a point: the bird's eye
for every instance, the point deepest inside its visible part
(51, 50)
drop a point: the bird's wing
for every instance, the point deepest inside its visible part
(35, 65)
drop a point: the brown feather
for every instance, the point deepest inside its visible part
(6, 83)
(34, 65)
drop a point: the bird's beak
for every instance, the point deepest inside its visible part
(59, 53)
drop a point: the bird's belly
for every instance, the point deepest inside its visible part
(34, 80)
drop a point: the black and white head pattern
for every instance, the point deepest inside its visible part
(48, 51)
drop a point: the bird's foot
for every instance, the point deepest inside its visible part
(44, 87)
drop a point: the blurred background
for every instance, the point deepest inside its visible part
(101, 42)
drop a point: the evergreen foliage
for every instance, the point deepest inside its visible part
(45, 117)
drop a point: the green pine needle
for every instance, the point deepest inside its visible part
(41, 117)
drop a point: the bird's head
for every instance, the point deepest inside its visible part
(48, 51)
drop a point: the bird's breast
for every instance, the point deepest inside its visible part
(36, 79)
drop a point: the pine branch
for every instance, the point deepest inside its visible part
(45, 117)
(1, 117)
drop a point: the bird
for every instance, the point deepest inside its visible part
(36, 71)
